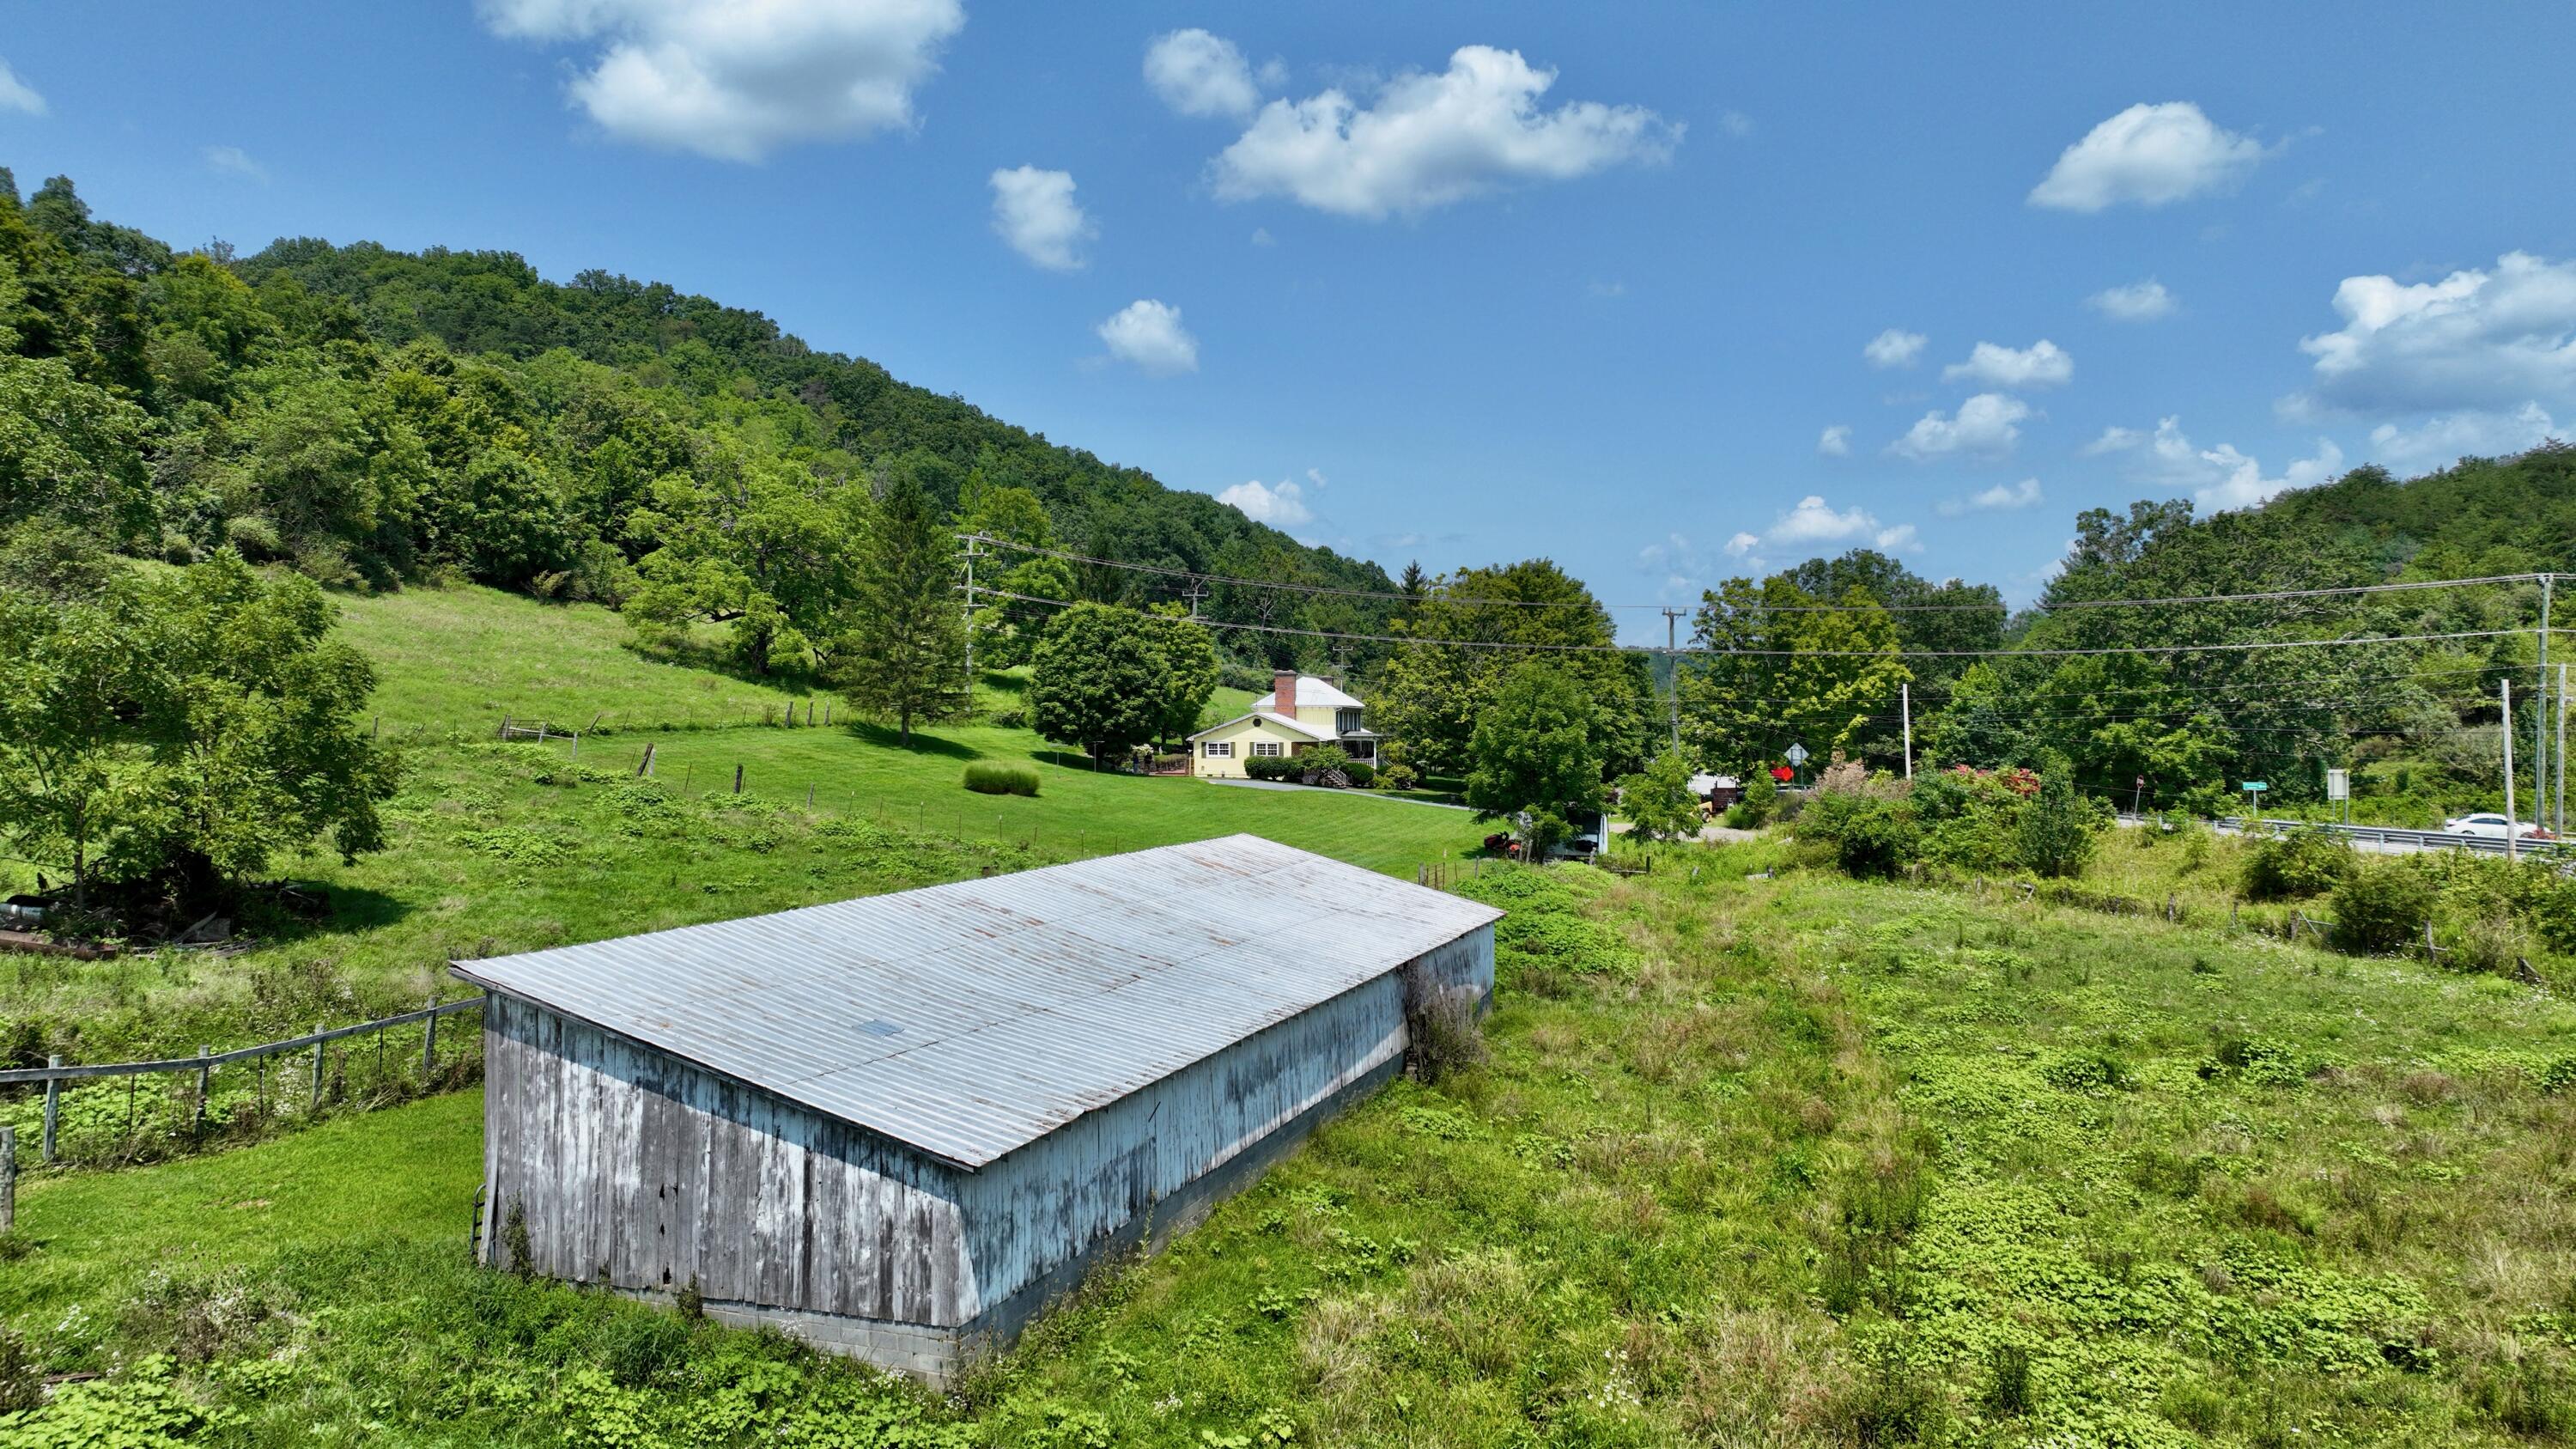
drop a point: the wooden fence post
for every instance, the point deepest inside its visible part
(8, 1178)
(2429, 951)
(429, 1045)
(205, 1082)
(737, 779)
(317, 1069)
(53, 1110)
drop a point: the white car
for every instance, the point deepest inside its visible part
(2491, 827)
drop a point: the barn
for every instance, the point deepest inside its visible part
(899, 1126)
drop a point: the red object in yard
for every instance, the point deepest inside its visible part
(1783, 774)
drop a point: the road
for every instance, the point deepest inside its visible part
(2376, 839)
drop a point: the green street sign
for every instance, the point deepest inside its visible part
(2254, 785)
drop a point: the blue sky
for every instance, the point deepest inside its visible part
(1472, 283)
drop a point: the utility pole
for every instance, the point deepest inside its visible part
(2540, 724)
(1905, 709)
(2504, 688)
(2558, 787)
(970, 540)
(1672, 660)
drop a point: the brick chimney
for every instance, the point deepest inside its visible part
(1283, 685)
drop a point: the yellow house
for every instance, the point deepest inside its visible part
(1318, 714)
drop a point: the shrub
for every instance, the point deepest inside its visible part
(1870, 837)
(1320, 761)
(1398, 777)
(1001, 777)
(2380, 906)
(1015, 717)
(2059, 826)
(1272, 767)
(2305, 862)
(1761, 796)
(1360, 773)
(1739, 816)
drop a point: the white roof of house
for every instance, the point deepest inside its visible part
(1702, 783)
(1312, 693)
(1281, 720)
(971, 1019)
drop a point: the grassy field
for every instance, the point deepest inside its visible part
(1792, 1161)
(501, 847)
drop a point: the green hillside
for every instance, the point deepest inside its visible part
(494, 847)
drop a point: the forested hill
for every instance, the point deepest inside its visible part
(495, 303)
(372, 416)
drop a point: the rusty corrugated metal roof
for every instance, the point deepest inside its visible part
(973, 1018)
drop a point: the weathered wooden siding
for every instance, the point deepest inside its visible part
(1051, 1201)
(630, 1160)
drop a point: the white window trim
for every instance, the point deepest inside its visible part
(1269, 749)
(1220, 749)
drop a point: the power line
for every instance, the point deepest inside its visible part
(1703, 651)
(1397, 596)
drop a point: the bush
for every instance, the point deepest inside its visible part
(2058, 826)
(1398, 777)
(1013, 717)
(1001, 777)
(1870, 837)
(2380, 906)
(2305, 862)
(1739, 816)
(1761, 796)
(1360, 773)
(1273, 767)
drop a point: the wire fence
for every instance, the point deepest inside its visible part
(101, 1113)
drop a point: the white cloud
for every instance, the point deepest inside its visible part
(2476, 339)
(1150, 335)
(1814, 522)
(738, 79)
(2151, 155)
(2438, 442)
(2042, 364)
(1606, 290)
(2221, 478)
(1281, 505)
(2114, 440)
(1035, 212)
(17, 95)
(2136, 302)
(1430, 140)
(1198, 74)
(1984, 427)
(236, 161)
(1835, 442)
(2003, 497)
(1261, 237)
(1894, 347)
(1735, 124)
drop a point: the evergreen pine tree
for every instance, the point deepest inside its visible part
(906, 654)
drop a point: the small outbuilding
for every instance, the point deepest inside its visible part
(899, 1126)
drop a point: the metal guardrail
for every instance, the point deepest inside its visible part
(2384, 834)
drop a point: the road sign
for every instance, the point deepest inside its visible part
(1797, 754)
(2338, 785)
(2255, 786)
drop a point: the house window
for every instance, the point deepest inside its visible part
(1347, 722)
(1220, 749)
(1267, 748)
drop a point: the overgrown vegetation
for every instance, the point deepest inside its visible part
(1803, 1161)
